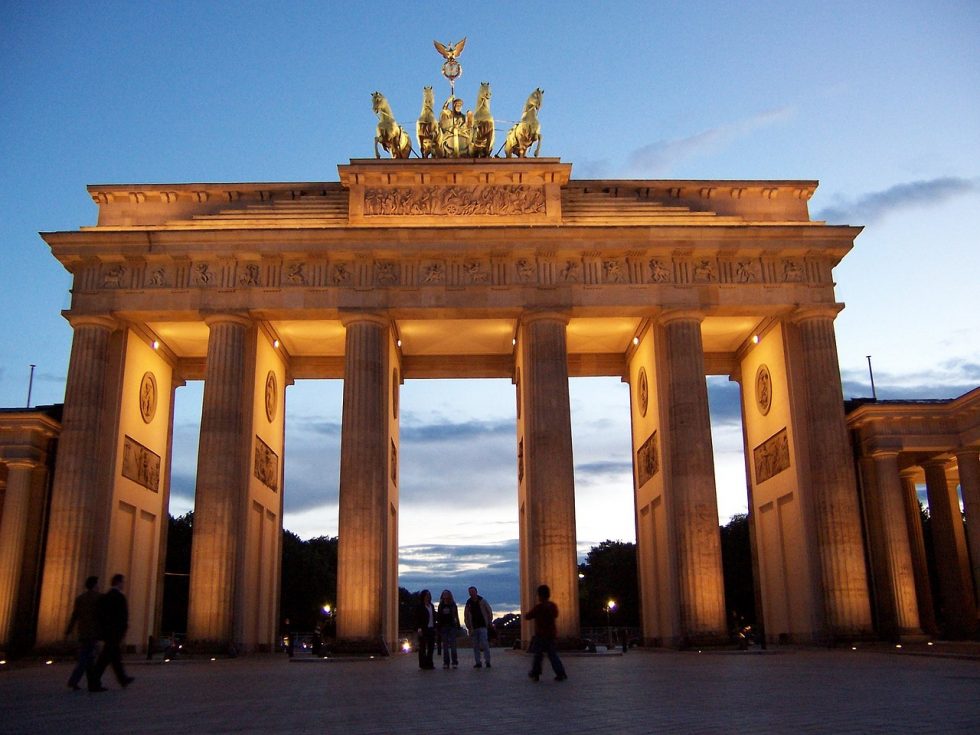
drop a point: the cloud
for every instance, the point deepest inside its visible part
(946, 379)
(879, 204)
(412, 432)
(492, 568)
(660, 157)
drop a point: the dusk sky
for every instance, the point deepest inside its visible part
(880, 102)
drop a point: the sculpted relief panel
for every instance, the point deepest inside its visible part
(588, 269)
(771, 457)
(454, 201)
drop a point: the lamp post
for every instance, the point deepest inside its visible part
(610, 606)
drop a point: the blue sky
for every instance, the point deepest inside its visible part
(878, 101)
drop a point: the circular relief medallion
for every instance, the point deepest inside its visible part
(394, 392)
(271, 396)
(148, 397)
(643, 391)
(763, 389)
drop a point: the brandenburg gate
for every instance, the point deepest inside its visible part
(454, 268)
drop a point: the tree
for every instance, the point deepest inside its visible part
(736, 560)
(309, 579)
(177, 569)
(609, 573)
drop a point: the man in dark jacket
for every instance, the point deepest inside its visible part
(113, 615)
(544, 615)
(85, 615)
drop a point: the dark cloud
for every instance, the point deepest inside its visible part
(590, 473)
(492, 568)
(947, 379)
(660, 157)
(412, 432)
(878, 204)
(724, 401)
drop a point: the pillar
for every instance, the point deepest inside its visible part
(897, 590)
(222, 482)
(957, 608)
(833, 500)
(548, 485)
(78, 519)
(364, 585)
(690, 478)
(968, 461)
(15, 545)
(917, 550)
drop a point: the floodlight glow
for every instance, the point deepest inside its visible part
(755, 339)
(156, 344)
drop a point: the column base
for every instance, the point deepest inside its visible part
(359, 647)
(211, 648)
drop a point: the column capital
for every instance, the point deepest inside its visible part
(884, 453)
(20, 463)
(226, 317)
(941, 462)
(966, 451)
(554, 315)
(105, 321)
(909, 473)
(675, 315)
(353, 317)
(814, 311)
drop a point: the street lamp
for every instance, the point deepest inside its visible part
(610, 606)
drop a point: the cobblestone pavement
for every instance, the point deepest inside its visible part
(791, 691)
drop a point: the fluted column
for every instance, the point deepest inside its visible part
(78, 518)
(363, 483)
(13, 538)
(968, 461)
(917, 550)
(834, 501)
(549, 467)
(691, 480)
(957, 607)
(899, 585)
(222, 482)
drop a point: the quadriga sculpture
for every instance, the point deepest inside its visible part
(481, 132)
(390, 135)
(527, 131)
(427, 127)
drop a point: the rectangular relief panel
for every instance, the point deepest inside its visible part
(140, 464)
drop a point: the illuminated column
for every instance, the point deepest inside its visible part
(364, 465)
(13, 539)
(834, 501)
(899, 585)
(949, 548)
(917, 550)
(222, 481)
(691, 480)
(78, 519)
(549, 478)
(968, 461)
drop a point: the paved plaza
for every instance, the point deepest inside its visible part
(796, 691)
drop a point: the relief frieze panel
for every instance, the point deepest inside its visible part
(549, 270)
(461, 201)
(140, 464)
(266, 463)
(647, 460)
(771, 457)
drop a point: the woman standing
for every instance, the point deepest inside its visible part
(448, 619)
(425, 625)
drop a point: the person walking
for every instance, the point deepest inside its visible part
(448, 619)
(85, 615)
(544, 615)
(113, 615)
(478, 617)
(425, 626)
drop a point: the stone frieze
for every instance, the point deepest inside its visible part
(771, 457)
(459, 201)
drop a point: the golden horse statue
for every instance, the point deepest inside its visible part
(527, 131)
(427, 127)
(481, 130)
(390, 134)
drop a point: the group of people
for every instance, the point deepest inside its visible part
(99, 617)
(443, 620)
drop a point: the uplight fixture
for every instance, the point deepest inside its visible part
(156, 344)
(636, 340)
(755, 339)
(275, 344)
